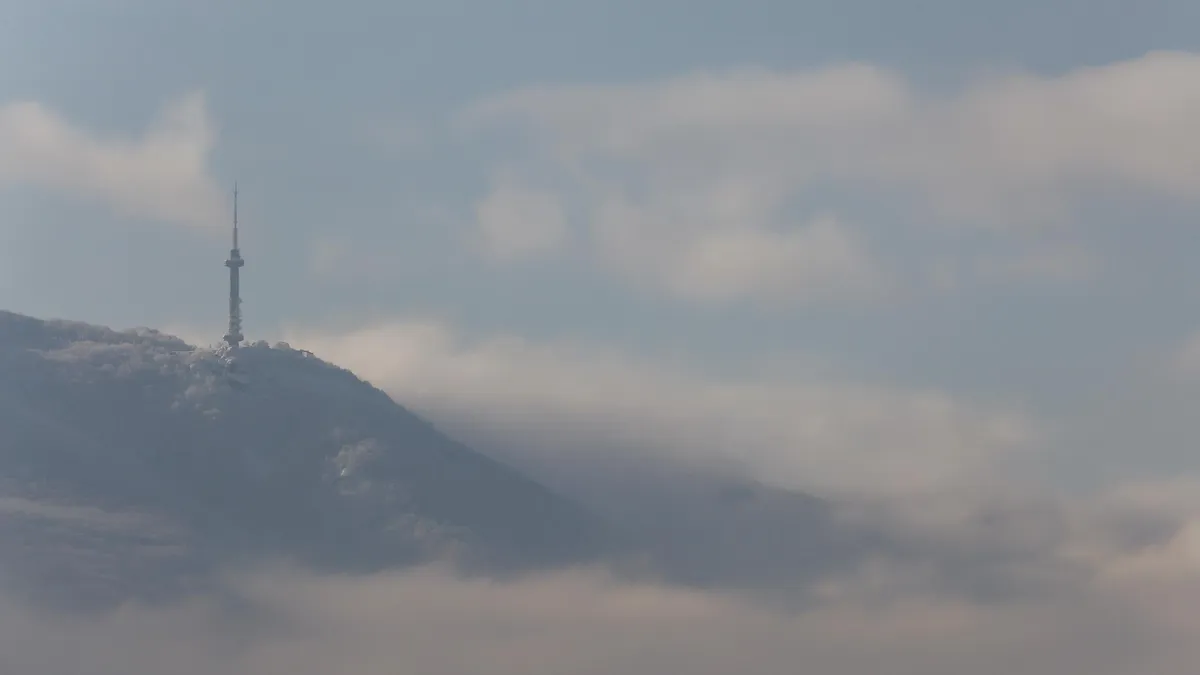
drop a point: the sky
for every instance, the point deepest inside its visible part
(991, 203)
(923, 253)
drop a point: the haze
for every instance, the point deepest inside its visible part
(871, 325)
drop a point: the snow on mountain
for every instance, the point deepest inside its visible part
(262, 450)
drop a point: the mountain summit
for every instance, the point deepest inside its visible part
(260, 450)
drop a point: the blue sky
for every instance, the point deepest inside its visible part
(857, 190)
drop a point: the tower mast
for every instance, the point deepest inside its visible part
(234, 335)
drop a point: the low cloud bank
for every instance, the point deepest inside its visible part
(1131, 618)
(560, 400)
(972, 570)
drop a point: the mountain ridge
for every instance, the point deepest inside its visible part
(261, 450)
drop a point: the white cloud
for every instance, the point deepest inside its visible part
(1175, 497)
(717, 248)
(1186, 362)
(819, 257)
(1000, 147)
(819, 435)
(515, 222)
(585, 622)
(163, 175)
(1126, 603)
(675, 164)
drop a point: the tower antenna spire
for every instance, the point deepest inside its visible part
(233, 336)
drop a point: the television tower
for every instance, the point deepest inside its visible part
(234, 335)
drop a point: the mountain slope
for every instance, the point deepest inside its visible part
(262, 450)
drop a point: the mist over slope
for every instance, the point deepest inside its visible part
(121, 450)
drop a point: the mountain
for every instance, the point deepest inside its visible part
(131, 456)
(698, 524)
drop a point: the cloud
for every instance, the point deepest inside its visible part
(163, 175)
(823, 435)
(515, 222)
(1178, 497)
(1000, 146)
(714, 161)
(587, 622)
(1186, 362)
(1103, 586)
(701, 250)
(703, 473)
(724, 264)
